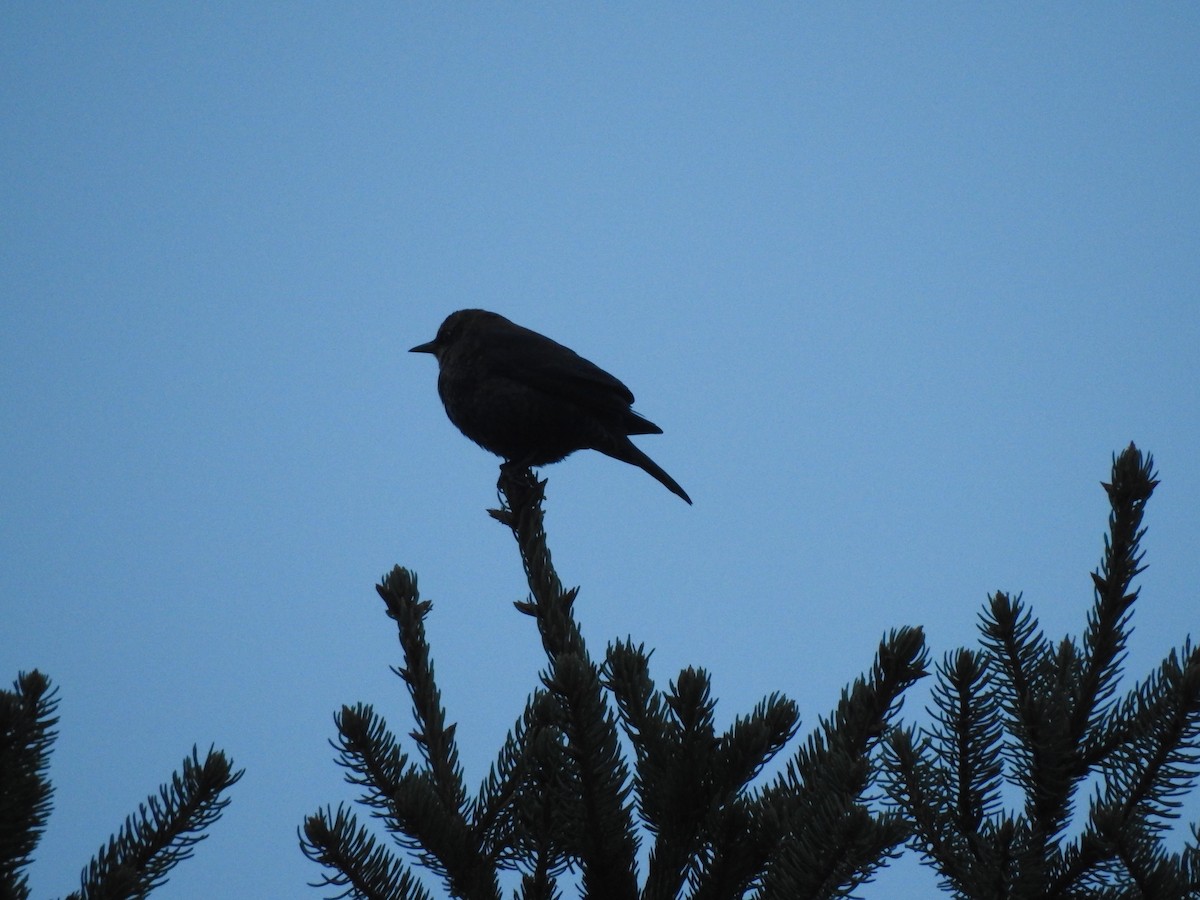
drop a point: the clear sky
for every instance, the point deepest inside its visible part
(895, 280)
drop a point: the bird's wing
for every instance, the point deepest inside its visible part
(536, 360)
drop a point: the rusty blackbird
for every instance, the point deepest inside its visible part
(530, 399)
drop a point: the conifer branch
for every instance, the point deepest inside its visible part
(369, 752)
(539, 886)
(682, 785)
(1052, 709)
(1036, 715)
(552, 606)
(163, 833)
(559, 793)
(646, 724)
(26, 737)
(830, 842)
(433, 737)
(970, 723)
(426, 807)
(366, 870)
(923, 791)
(1158, 759)
(952, 801)
(753, 741)
(525, 816)
(689, 781)
(494, 813)
(1189, 861)
(440, 837)
(608, 845)
(1133, 481)
(736, 838)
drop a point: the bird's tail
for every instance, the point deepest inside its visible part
(634, 423)
(626, 451)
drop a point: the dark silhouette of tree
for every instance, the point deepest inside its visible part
(137, 859)
(601, 760)
(1044, 718)
(566, 793)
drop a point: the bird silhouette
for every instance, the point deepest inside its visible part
(529, 399)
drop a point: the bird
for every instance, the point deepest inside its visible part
(530, 400)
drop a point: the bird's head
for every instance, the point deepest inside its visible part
(457, 326)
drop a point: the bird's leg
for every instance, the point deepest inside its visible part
(515, 470)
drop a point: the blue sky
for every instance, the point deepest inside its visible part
(896, 280)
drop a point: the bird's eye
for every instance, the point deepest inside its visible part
(448, 331)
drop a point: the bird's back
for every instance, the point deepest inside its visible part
(524, 396)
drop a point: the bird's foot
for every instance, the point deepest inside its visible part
(518, 486)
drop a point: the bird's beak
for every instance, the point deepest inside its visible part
(430, 347)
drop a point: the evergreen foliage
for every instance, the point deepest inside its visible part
(138, 858)
(1043, 718)
(26, 737)
(566, 793)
